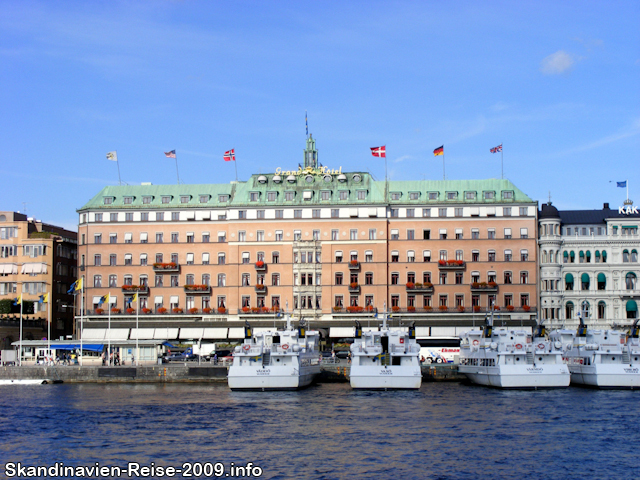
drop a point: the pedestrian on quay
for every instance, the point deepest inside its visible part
(133, 360)
(215, 358)
(104, 359)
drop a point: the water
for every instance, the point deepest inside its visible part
(442, 431)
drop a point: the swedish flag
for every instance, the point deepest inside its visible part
(381, 357)
(257, 358)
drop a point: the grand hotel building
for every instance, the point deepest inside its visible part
(329, 246)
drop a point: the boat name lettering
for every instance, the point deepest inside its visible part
(386, 372)
(534, 370)
(263, 371)
(631, 370)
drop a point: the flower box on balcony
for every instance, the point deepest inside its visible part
(354, 309)
(140, 289)
(337, 309)
(193, 311)
(146, 310)
(264, 309)
(162, 310)
(354, 287)
(354, 265)
(443, 308)
(460, 308)
(411, 309)
(510, 308)
(526, 308)
(428, 309)
(246, 309)
(451, 264)
(131, 311)
(206, 310)
(261, 289)
(178, 310)
(476, 308)
(222, 310)
(197, 289)
(261, 266)
(484, 287)
(395, 308)
(116, 310)
(419, 287)
(166, 267)
(99, 311)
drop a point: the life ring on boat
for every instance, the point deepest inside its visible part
(581, 361)
(541, 346)
(246, 347)
(285, 346)
(476, 342)
(518, 346)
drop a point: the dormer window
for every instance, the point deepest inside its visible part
(204, 198)
(470, 195)
(254, 196)
(147, 199)
(166, 199)
(507, 195)
(185, 198)
(288, 196)
(414, 195)
(108, 200)
(223, 198)
(452, 195)
(343, 194)
(128, 200)
(489, 195)
(271, 196)
(395, 195)
(433, 195)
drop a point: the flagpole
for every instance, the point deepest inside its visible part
(20, 361)
(109, 328)
(118, 164)
(443, 175)
(501, 163)
(177, 174)
(49, 325)
(81, 322)
(236, 166)
(137, 330)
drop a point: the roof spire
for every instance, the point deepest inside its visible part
(311, 154)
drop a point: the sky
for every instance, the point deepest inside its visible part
(556, 83)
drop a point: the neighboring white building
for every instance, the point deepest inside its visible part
(589, 262)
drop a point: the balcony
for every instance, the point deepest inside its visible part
(354, 265)
(140, 289)
(484, 287)
(419, 287)
(261, 266)
(198, 289)
(258, 311)
(451, 264)
(354, 288)
(261, 289)
(170, 267)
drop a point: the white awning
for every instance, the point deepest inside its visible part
(165, 334)
(353, 212)
(215, 333)
(92, 334)
(157, 300)
(142, 333)
(8, 268)
(116, 334)
(373, 212)
(34, 268)
(458, 230)
(128, 237)
(236, 332)
(191, 333)
(174, 299)
(113, 300)
(443, 231)
(189, 257)
(342, 332)
(205, 257)
(96, 299)
(144, 237)
(491, 210)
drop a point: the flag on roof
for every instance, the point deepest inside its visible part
(171, 154)
(496, 149)
(439, 151)
(621, 184)
(230, 155)
(113, 156)
(379, 151)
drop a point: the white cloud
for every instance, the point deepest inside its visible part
(557, 63)
(404, 157)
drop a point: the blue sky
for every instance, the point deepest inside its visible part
(557, 83)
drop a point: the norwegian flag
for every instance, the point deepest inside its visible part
(496, 149)
(379, 151)
(230, 155)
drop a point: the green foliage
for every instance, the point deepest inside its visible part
(7, 307)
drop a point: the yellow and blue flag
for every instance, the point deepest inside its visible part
(18, 300)
(104, 299)
(135, 297)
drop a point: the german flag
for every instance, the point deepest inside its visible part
(439, 151)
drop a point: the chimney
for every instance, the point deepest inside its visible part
(605, 206)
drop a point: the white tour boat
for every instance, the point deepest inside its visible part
(24, 381)
(505, 358)
(605, 358)
(385, 359)
(276, 360)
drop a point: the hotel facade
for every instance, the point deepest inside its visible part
(323, 244)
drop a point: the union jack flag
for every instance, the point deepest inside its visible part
(230, 155)
(496, 149)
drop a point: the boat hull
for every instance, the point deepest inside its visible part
(390, 377)
(39, 381)
(271, 378)
(525, 377)
(606, 375)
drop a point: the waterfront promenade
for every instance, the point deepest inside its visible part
(181, 373)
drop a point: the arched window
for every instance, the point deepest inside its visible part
(572, 256)
(630, 281)
(568, 282)
(568, 308)
(602, 281)
(634, 255)
(588, 256)
(632, 309)
(601, 309)
(585, 281)
(625, 255)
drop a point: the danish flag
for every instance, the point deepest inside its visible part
(379, 151)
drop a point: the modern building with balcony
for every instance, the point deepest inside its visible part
(589, 266)
(325, 244)
(35, 259)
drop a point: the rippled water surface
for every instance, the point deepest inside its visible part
(442, 431)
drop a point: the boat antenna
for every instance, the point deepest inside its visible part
(384, 316)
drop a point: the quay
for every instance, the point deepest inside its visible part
(183, 373)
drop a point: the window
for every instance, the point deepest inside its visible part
(491, 233)
(128, 259)
(368, 278)
(426, 255)
(524, 233)
(128, 217)
(507, 256)
(353, 234)
(339, 301)
(97, 281)
(524, 278)
(297, 235)
(275, 279)
(411, 212)
(372, 234)
(414, 195)
(507, 233)
(475, 256)
(98, 217)
(470, 195)
(242, 214)
(338, 278)
(143, 259)
(113, 281)
(175, 216)
(630, 281)
(459, 255)
(491, 256)
(508, 278)
(524, 299)
(458, 211)
(174, 237)
(443, 234)
(368, 256)
(395, 234)
(506, 211)
(523, 211)
(288, 196)
(159, 216)
(395, 256)
(279, 213)
(242, 236)
(254, 196)
(394, 212)
(113, 238)
(426, 212)
(524, 256)
(489, 195)
(246, 258)
(475, 234)
(411, 256)
(459, 234)
(442, 212)
(260, 236)
(411, 234)
(315, 213)
(222, 280)
(362, 194)
(338, 256)
(443, 278)
(395, 195)
(459, 278)
(443, 255)
(325, 195)
(334, 234)
(433, 195)
(297, 213)
(190, 258)
(97, 260)
(395, 278)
